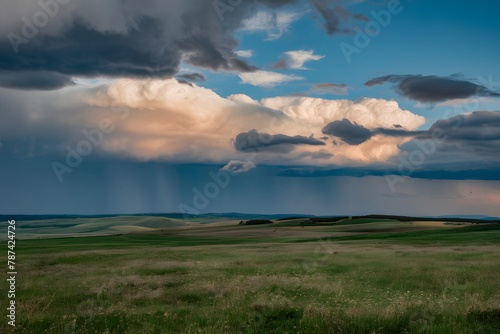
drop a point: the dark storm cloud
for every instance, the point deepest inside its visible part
(256, 141)
(129, 39)
(477, 132)
(334, 14)
(148, 45)
(192, 76)
(463, 147)
(462, 139)
(86, 52)
(355, 134)
(352, 134)
(432, 89)
(185, 82)
(32, 80)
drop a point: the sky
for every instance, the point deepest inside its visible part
(325, 107)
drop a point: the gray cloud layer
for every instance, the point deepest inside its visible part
(468, 144)
(128, 39)
(192, 76)
(477, 133)
(355, 134)
(432, 89)
(352, 134)
(463, 147)
(39, 80)
(253, 141)
(124, 40)
(436, 174)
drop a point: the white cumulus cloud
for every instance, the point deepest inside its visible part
(166, 120)
(297, 59)
(266, 78)
(274, 23)
(244, 53)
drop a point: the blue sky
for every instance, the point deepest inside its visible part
(426, 37)
(133, 110)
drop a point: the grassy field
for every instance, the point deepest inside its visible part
(89, 226)
(356, 276)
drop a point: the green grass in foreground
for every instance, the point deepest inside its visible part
(431, 281)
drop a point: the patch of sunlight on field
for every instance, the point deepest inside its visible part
(128, 229)
(95, 226)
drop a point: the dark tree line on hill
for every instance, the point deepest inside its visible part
(256, 222)
(408, 219)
